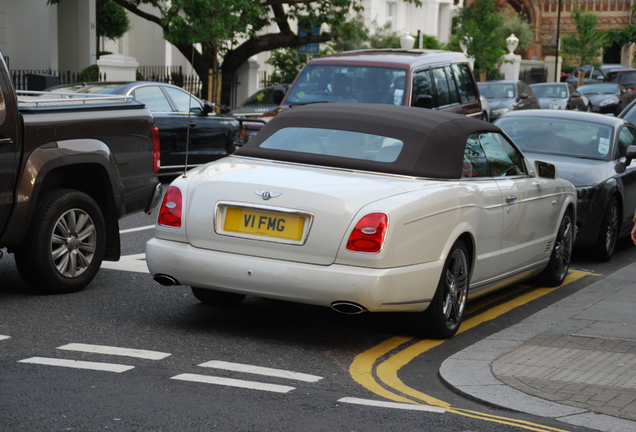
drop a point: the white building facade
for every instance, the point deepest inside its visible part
(37, 36)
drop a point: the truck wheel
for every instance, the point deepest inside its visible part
(65, 244)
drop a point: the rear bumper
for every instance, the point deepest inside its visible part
(401, 289)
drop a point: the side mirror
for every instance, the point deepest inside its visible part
(424, 101)
(621, 166)
(279, 94)
(523, 95)
(207, 107)
(575, 95)
(545, 169)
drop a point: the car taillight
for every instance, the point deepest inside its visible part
(156, 149)
(369, 233)
(171, 208)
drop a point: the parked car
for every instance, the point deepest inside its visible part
(607, 98)
(507, 95)
(629, 113)
(587, 149)
(627, 77)
(560, 95)
(434, 79)
(366, 207)
(190, 133)
(261, 101)
(593, 74)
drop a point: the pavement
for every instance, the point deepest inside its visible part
(574, 361)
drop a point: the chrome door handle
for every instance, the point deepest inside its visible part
(511, 198)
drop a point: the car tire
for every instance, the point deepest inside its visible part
(608, 234)
(218, 298)
(444, 315)
(557, 269)
(64, 248)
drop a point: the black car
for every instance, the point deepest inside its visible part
(507, 95)
(190, 133)
(627, 77)
(607, 98)
(587, 150)
(594, 74)
(560, 95)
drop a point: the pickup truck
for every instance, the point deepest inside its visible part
(69, 170)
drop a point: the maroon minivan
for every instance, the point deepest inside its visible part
(433, 79)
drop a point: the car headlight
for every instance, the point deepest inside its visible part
(612, 101)
(499, 111)
(585, 192)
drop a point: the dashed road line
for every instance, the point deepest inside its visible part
(132, 263)
(141, 228)
(116, 351)
(78, 364)
(3, 337)
(258, 370)
(230, 382)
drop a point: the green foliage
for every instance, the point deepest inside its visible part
(287, 63)
(430, 42)
(480, 27)
(111, 20)
(89, 74)
(586, 45)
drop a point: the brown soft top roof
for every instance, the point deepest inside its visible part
(434, 141)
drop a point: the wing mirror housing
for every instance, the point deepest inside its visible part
(621, 166)
(424, 101)
(545, 169)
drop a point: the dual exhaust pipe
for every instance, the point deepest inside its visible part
(345, 307)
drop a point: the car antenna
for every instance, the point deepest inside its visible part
(185, 167)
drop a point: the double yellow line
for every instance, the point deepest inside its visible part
(377, 368)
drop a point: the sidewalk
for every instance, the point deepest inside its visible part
(574, 361)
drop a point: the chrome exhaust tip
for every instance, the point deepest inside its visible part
(166, 280)
(348, 308)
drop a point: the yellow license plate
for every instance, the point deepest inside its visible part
(263, 223)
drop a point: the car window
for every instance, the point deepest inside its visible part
(626, 138)
(153, 98)
(503, 158)
(442, 88)
(423, 85)
(475, 162)
(339, 143)
(465, 83)
(184, 101)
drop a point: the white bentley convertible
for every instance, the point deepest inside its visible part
(363, 207)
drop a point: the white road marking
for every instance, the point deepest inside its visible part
(382, 404)
(258, 370)
(77, 364)
(132, 263)
(110, 350)
(206, 379)
(142, 228)
(3, 337)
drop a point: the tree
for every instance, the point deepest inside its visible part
(479, 27)
(221, 35)
(586, 44)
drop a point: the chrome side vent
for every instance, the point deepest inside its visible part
(548, 248)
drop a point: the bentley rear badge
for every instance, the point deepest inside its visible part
(267, 194)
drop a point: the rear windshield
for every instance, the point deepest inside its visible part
(333, 142)
(322, 83)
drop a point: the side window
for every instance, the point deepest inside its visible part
(422, 85)
(475, 162)
(465, 83)
(597, 74)
(183, 100)
(153, 98)
(441, 87)
(626, 138)
(504, 159)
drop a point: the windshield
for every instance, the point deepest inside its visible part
(497, 91)
(322, 83)
(564, 137)
(598, 89)
(550, 91)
